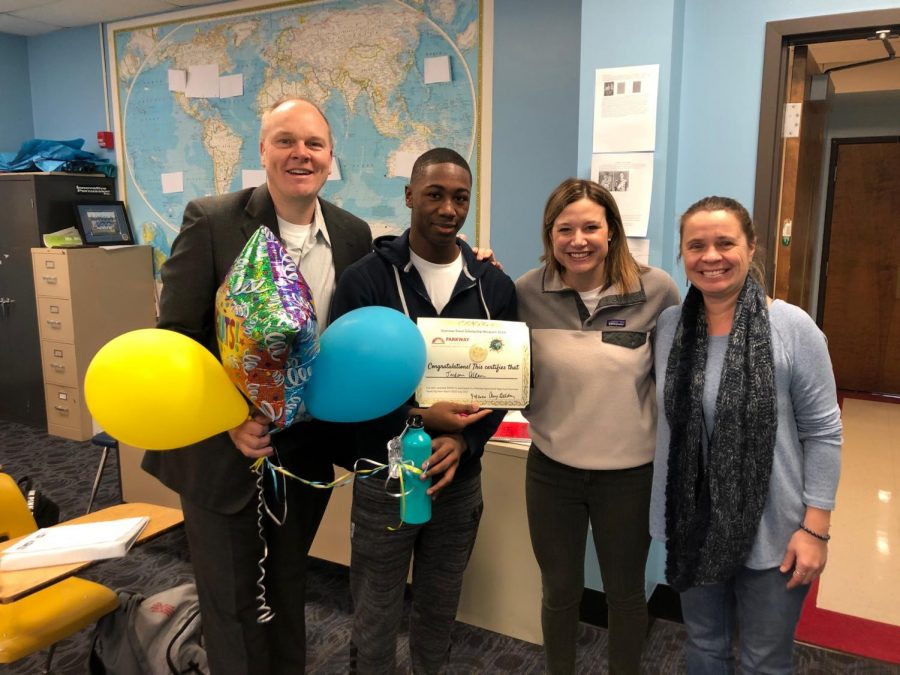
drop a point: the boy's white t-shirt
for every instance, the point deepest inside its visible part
(439, 279)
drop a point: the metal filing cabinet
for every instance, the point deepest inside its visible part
(85, 297)
(31, 205)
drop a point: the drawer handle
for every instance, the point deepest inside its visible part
(54, 323)
(61, 409)
(49, 280)
(58, 366)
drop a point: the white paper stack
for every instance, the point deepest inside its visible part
(65, 544)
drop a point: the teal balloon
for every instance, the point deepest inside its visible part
(370, 362)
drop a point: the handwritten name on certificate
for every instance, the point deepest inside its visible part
(475, 361)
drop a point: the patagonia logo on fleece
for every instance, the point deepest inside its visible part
(616, 323)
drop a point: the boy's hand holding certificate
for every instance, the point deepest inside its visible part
(475, 361)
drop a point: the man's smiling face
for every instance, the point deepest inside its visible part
(295, 151)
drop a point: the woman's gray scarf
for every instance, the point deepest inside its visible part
(714, 504)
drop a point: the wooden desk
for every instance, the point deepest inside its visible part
(19, 583)
(502, 586)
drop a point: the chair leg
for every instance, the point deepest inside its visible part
(97, 478)
(46, 669)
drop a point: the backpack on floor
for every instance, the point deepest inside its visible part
(156, 635)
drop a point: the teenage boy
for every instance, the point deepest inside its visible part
(425, 272)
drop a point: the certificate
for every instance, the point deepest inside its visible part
(475, 361)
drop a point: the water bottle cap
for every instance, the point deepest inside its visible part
(415, 422)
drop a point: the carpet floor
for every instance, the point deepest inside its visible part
(64, 470)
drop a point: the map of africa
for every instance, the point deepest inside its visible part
(362, 61)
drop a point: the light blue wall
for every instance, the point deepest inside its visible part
(535, 121)
(15, 100)
(637, 33)
(720, 94)
(710, 55)
(67, 86)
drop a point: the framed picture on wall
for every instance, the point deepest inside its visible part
(103, 223)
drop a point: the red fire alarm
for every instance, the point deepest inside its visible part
(105, 139)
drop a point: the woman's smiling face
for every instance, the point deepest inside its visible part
(580, 238)
(716, 253)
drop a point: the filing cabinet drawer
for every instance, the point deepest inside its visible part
(51, 275)
(55, 319)
(63, 406)
(58, 359)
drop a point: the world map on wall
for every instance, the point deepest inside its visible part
(362, 61)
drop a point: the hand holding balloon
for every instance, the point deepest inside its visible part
(252, 437)
(157, 389)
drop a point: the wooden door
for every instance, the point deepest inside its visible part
(800, 185)
(861, 309)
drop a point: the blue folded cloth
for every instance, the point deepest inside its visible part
(39, 154)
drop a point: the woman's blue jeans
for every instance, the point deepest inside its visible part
(753, 608)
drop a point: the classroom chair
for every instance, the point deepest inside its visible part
(43, 618)
(108, 443)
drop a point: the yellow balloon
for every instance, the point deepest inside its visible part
(157, 389)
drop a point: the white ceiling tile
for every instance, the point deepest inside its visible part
(84, 12)
(11, 5)
(18, 26)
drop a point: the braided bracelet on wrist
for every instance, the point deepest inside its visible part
(820, 537)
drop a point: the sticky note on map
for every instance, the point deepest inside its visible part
(231, 85)
(177, 79)
(203, 81)
(172, 182)
(437, 69)
(251, 178)
(335, 173)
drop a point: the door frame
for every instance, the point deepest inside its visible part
(836, 144)
(780, 35)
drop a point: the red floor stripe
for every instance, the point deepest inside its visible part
(845, 633)
(842, 632)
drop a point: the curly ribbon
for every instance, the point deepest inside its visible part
(264, 613)
(395, 467)
(403, 467)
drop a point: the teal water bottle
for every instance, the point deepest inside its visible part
(416, 449)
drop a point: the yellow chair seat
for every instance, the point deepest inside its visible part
(47, 616)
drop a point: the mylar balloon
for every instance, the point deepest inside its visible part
(157, 389)
(266, 328)
(370, 361)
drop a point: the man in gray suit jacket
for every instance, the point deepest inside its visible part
(213, 478)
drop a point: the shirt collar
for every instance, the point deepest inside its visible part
(318, 226)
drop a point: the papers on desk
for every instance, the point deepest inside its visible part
(73, 543)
